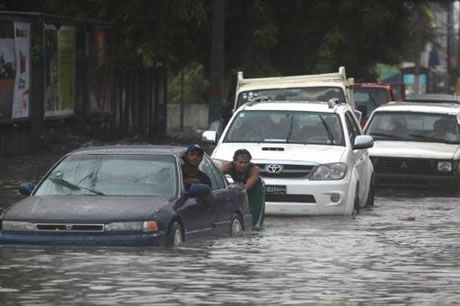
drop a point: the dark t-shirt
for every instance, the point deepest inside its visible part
(200, 175)
(241, 178)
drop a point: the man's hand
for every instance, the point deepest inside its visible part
(191, 180)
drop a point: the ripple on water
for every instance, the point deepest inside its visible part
(379, 256)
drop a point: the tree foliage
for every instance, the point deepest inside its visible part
(263, 37)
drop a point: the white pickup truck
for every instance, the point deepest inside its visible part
(313, 87)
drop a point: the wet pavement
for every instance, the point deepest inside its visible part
(404, 250)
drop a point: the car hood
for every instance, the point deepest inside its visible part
(84, 208)
(315, 154)
(413, 149)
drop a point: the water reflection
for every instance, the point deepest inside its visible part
(402, 251)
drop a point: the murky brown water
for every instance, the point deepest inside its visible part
(405, 250)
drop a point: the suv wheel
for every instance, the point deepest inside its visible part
(370, 196)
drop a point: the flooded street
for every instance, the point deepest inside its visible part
(405, 250)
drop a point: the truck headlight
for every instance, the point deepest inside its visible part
(445, 166)
(333, 171)
(18, 226)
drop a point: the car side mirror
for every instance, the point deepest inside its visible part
(209, 136)
(363, 142)
(26, 188)
(198, 190)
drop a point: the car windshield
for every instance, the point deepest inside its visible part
(286, 126)
(368, 99)
(293, 94)
(412, 126)
(114, 175)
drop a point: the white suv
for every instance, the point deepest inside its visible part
(313, 156)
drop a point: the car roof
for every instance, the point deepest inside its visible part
(437, 108)
(311, 106)
(131, 149)
(436, 98)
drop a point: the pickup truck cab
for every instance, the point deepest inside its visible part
(313, 87)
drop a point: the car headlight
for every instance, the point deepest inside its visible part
(146, 226)
(334, 171)
(445, 166)
(18, 226)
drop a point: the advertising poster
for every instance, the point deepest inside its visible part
(66, 70)
(21, 95)
(50, 44)
(7, 69)
(99, 74)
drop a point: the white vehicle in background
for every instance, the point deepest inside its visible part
(312, 87)
(416, 144)
(313, 156)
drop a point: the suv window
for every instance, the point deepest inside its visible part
(286, 126)
(352, 126)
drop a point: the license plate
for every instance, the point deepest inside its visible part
(279, 189)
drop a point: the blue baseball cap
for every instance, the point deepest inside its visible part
(194, 147)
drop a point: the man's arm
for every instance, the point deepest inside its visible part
(253, 178)
(226, 168)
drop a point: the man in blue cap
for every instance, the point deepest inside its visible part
(191, 174)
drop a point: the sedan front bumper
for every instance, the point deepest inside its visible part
(103, 239)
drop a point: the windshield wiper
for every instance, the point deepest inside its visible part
(72, 186)
(386, 135)
(435, 139)
(329, 133)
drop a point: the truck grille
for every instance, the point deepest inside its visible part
(287, 171)
(406, 166)
(301, 198)
(86, 228)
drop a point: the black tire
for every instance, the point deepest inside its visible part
(356, 203)
(370, 196)
(175, 235)
(236, 225)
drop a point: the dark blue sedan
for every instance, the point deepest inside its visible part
(124, 195)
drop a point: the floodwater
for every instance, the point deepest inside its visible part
(404, 250)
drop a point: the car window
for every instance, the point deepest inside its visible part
(117, 175)
(369, 99)
(215, 177)
(414, 126)
(352, 126)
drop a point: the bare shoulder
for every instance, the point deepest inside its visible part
(226, 167)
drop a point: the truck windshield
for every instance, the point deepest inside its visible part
(293, 94)
(286, 126)
(370, 98)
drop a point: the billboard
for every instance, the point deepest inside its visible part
(21, 95)
(59, 72)
(99, 71)
(7, 69)
(50, 58)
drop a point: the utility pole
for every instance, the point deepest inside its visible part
(217, 60)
